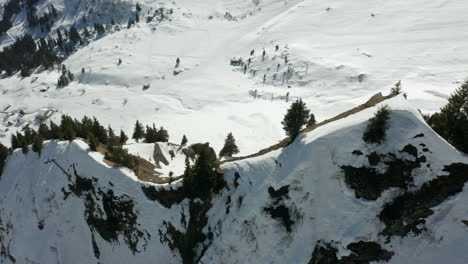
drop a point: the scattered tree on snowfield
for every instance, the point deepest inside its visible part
(377, 126)
(396, 90)
(138, 132)
(230, 148)
(123, 138)
(295, 118)
(184, 141)
(312, 121)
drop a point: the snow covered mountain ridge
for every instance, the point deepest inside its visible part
(334, 55)
(313, 201)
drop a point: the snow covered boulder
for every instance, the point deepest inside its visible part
(236, 61)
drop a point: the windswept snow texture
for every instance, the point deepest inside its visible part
(43, 219)
(339, 52)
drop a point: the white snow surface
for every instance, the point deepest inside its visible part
(340, 53)
(326, 209)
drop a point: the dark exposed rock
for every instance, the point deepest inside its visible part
(324, 253)
(41, 224)
(116, 216)
(158, 156)
(465, 222)
(165, 197)
(281, 213)
(410, 149)
(186, 242)
(81, 185)
(357, 152)
(419, 135)
(228, 204)
(407, 212)
(280, 193)
(5, 230)
(240, 199)
(369, 183)
(365, 252)
(362, 253)
(96, 251)
(236, 179)
(373, 158)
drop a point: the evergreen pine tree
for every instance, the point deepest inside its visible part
(111, 132)
(396, 90)
(113, 140)
(37, 144)
(23, 142)
(123, 138)
(93, 143)
(184, 141)
(200, 179)
(99, 132)
(44, 131)
(162, 135)
(451, 122)
(4, 152)
(295, 118)
(138, 8)
(68, 133)
(74, 35)
(86, 33)
(138, 133)
(377, 126)
(230, 148)
(311, 121)
(151, 134)
(29, 135)
(15, 143)
(55, 131)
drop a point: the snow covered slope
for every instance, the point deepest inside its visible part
(338, 54)
(69, 13)
(67, 205)
(48, 214)
(323, 207)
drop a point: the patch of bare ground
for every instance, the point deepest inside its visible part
(144, 170)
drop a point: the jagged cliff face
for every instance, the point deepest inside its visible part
(67, 206)
(327, 197)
